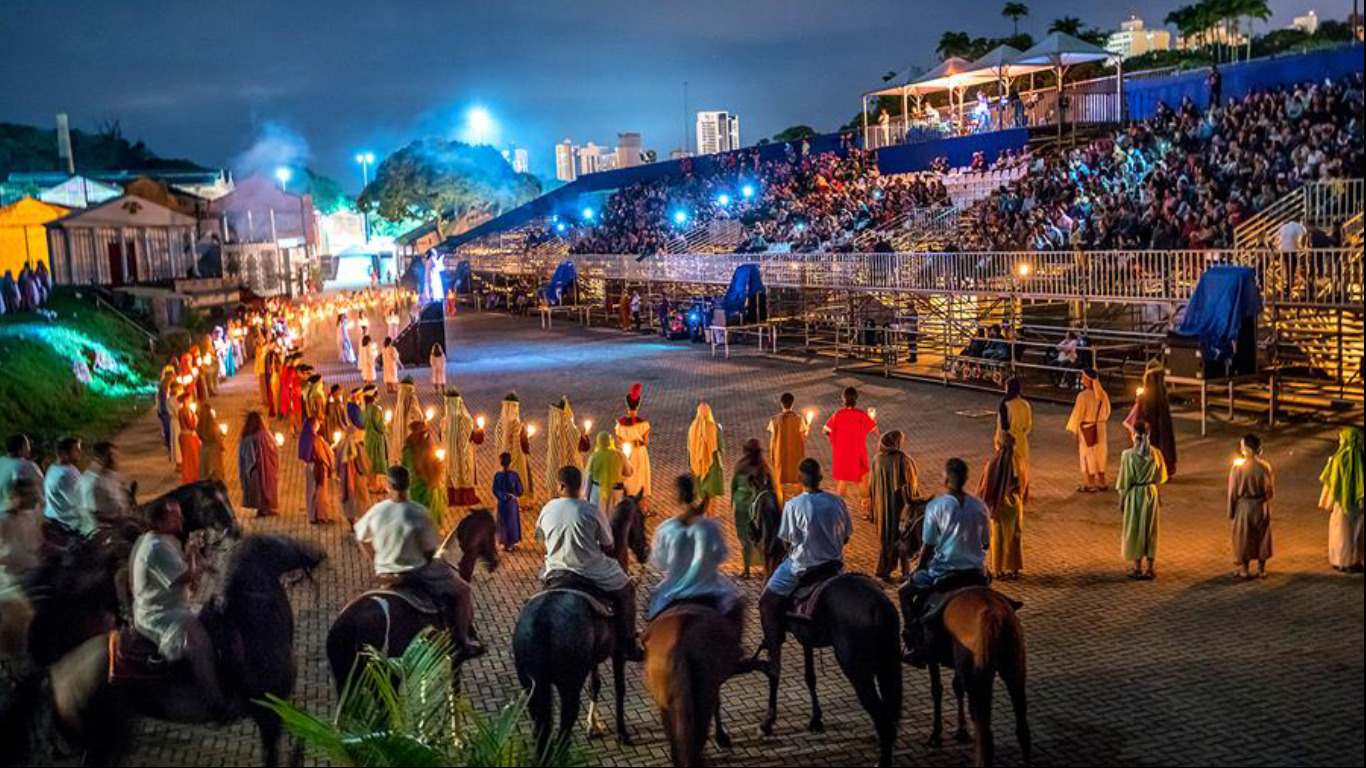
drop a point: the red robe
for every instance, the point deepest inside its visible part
(189, 445)
(849, 428)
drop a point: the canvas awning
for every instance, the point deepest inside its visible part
(1060, 49)
(1001, 64)
(951, 74)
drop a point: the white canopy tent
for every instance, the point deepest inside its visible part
(1060, 52)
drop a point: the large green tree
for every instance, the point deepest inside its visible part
(795, 133)
(1015, 12)
(450, 182)
(954, 44)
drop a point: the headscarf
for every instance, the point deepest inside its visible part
(999, 480)
(562, 440)
(752, 464)
(1344, 477)
(890, 441)
(507, 436)
(1013, 389)
(605, 463)
(703, 438)
(459, 429)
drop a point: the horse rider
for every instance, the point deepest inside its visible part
(162, 580)
(577, 536)
(402, 541)
(817, 527)
(956, 536)
(689, 550)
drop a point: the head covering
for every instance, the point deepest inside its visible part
(1013, 389)
(1344, 478)
(605, 463)
(891, 441)
(703, 438)
(633, 396)
(752, 464)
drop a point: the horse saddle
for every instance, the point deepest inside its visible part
(598, 603)
(135, 659)
(810, 588)
(413, 598)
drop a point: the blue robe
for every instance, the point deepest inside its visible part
(507, 487)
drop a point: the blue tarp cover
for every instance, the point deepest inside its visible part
(745, 284)
(565, 275)
(1225, 298)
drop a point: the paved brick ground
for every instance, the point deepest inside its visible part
(1194, 669)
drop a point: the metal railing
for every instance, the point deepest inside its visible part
(1322, 204)
(1312, 278)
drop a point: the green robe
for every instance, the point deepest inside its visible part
(1140, 472)
(433, 497)
(742, 496)
(714, 484)
(376, 443)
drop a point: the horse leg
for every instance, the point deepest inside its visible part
(722, 737)
(541, 708)
(1014, 679)
(595, 726)
(619, 691)
(774, 675)
(571, 700)
(268, 727)
(979, 704)
(817, 724)
(936, 739)
(960, 693)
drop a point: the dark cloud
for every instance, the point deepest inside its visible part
(205, 79)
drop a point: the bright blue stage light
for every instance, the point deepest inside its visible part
(680, 217)
(747, 191)
(559, 227)
(723, 200)
(588, 214)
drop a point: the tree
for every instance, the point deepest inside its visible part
(954, 44)
(1015, 12)
(795, 133)
(450, 182)
(1068, 25)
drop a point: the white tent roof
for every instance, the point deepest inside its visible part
(952, 73)
(1062, 50)
(125, 211)
(1000, 63)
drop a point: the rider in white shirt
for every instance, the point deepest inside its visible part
(17, 464)
(689, 550)
(62, 489)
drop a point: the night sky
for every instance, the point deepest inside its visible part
(327, 78)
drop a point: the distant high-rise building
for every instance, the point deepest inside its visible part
(1133, 39)
(679, 154)
(521, 160)
(595, 159)
(628, 150)
(1308, 23)
(717, 132)
(566, 162)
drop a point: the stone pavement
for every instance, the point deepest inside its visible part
(1196, 668)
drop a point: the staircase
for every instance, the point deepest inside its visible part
(1323, 205)
(919, 230)
(1320, 344)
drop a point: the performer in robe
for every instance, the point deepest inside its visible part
(1002, 489)
(267, 365)
(173, 406)
(437, 360)
(607, 468)
(376, 442)
(510, 436)
(424, 468)
(288, 404)
(211, 447)
(407, 409)
(366, 360)
(1142, 469)
(353, 463)
(705, 456)
(461, 434)
(848, 430)
(787, 433)
(1088, 423)
(634, 431)
(345, 352)
(258, 461)
(335, 419)
(1251, 487)
(1015, 416)
(164, 404)
(507, 486)
(319, 464)
(189, 440)
(1344, 479)
(389, 361)
(1154, 409)
(894, 481)
(565, 443)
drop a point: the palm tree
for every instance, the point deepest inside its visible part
(1068, 25)
(401, 712)
(1252, 10)
(954, 44)
(1015, 12)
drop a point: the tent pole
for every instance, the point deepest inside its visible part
(865, 123)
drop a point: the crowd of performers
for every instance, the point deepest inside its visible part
(28, 292)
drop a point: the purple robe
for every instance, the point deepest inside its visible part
(258, 468)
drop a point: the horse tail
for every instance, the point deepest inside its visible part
(888, 665)
(24, 718)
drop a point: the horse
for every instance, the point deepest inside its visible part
(373, 621)
(252, 626)
(628, 532)
(76, 593)
(690, 652)
(980, 637)
(857, 619)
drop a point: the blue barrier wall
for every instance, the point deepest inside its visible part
(909, 158)
(1144, 95)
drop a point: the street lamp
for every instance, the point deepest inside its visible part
(480, 123)
(283, 174)
(366, 159)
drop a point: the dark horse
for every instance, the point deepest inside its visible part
(372, 621)
(690, 652)
(855, 618)
(76, 592)
(561, 639)
(252, 625)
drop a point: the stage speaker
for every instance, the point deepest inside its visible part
(416, 341)
(1186, 360)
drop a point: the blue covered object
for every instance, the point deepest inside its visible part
(1226, 298)
(464, 278)
(562, 281)
(743, 298)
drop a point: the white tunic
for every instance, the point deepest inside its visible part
(161, 594)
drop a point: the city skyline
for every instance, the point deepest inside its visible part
(358, 94)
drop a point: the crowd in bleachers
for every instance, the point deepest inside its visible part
(1183, 179)
(802, 202)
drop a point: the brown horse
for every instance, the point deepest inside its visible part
(628, 532)
(980, 638)
(690, 652)
(391, 625)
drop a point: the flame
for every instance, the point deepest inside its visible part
(810, 416)
(431, 412)
(224, 429)
(279, 438)
(587, 425)
(626, 449)
(530, 430)
(388, 415)
(479, 421)
(441, 454)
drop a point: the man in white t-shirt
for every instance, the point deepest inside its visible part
(17, 464)
(105, 495)
(576, 535)
(402, 542)
(62, 490)
(162, 580)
